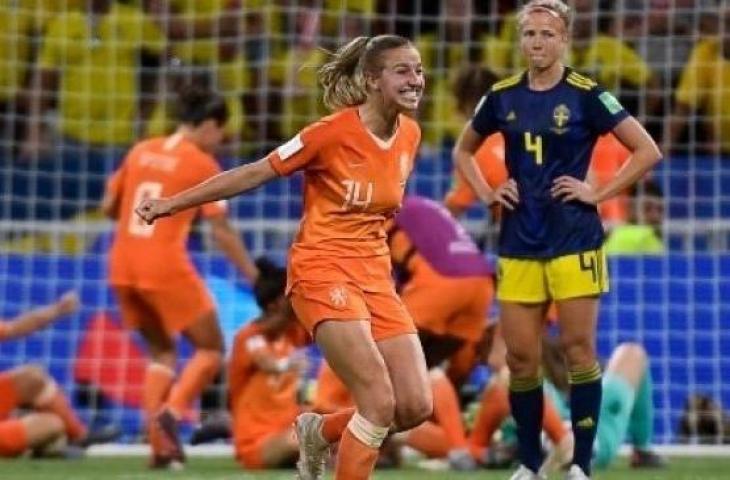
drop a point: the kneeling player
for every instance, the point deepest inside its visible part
(263, 376)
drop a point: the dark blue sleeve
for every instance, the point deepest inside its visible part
(484, 121)
(604, 111)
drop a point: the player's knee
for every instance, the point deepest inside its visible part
(31, 381)
(632, 351)
(414, 412)
(523, 364)
(579, 351)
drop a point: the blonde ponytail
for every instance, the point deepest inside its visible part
(343, 77)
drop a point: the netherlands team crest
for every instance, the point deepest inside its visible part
(338, 296)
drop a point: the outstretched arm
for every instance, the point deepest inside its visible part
(221, 186)
(29, 322)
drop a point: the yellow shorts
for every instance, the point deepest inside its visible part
(581, 274)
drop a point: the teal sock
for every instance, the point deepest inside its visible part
(641, 424)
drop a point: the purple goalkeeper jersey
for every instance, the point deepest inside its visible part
(440, 239)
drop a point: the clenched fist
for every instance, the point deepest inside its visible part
(151, 209)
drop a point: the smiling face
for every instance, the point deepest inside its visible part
(400, 80)
(543, 38)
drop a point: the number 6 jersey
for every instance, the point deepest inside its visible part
(548, 134)
(154, 256)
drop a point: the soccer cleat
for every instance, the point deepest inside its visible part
(524, 473)
(576, 473)
(647, 459)
(105, 434)
(313, 449)
(170, 454)
(215, 427)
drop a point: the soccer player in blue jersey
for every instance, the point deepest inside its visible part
(551, 234)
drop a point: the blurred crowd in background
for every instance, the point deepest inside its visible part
(80, 80)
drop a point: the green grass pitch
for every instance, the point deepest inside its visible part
(133, 468)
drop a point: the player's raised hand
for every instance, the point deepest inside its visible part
(507, 194)
(570, 188)
(68, 303)
(151, 209)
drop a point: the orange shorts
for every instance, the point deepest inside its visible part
(13, 438)
(8, 396)
(250, 455)
(315, 301)
(449, 306)
(176, 306)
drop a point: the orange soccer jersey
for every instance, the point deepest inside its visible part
(151, 256)
(609, 155)
(354, 182)
(152, 259)
(262, 404)
(490, 160)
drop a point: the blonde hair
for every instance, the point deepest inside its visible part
(557, 8)
(343, 77)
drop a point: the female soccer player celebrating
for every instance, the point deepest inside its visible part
(356, 163)
(551, 234)
(159, 292)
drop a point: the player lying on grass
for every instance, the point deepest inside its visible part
(627, 411)
(51, 420)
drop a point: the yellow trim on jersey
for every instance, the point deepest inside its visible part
(576, 275)
(507, 82)
(582, 78)
(578, 80)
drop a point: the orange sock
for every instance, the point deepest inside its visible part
(52, 399)
(197, 374)
(493, 410)
(334, 424)
(430, 439)
(552, 423)
(355, 460)
(158, 380)
(447, 413)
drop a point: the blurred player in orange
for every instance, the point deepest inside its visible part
(356, 163)
(263, 376)
(609, 155)
(158, 289)
(51, 418)
(468, 88)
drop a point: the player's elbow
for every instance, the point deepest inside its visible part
(654, 154)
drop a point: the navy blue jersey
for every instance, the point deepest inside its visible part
(548, 134)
